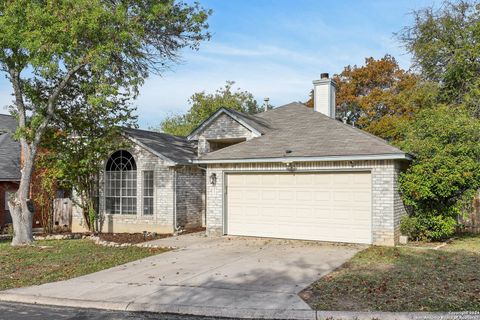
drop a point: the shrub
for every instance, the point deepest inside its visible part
(428, 227)
(445, 173)
(410, 226)
(439, 227)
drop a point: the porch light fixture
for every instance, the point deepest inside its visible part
(213, 179)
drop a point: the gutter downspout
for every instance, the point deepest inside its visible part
(175, 226)
(205, 198)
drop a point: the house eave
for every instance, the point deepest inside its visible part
(390, 156)
(10, 180)
(169, 161)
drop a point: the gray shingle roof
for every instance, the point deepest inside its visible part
(176, 149)
(259, 124)
(306, 133)
(9, 150)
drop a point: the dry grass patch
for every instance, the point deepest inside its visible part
(404, 279)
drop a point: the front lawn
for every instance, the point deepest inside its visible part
(54, 260)
(404, 279)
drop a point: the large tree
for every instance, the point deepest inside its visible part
(445, 45)
(107, 48)
(203, 105)
(379, 95)
(375, 95)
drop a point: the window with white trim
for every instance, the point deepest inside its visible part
(147, 192)
(121, 184)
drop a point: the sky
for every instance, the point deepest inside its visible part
(274, 49)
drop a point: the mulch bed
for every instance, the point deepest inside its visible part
(135, 238)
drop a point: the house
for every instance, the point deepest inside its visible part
(10, 158)
(292, 172)
(9, 165)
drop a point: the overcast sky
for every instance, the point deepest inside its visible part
(273, 48)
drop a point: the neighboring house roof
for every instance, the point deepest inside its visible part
(171, 148)
(296, 131)
(253, 123)
(9, 150)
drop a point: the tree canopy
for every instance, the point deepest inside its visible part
(375, 95)
(379, 95)
(104, 49)
(203, 105)
(444, 177)
(445, 44)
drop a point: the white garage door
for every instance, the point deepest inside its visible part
(310, 206)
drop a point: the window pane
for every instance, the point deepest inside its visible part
(121, 184)
(129, 205)
(147, 192)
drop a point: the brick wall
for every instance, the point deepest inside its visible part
(387, 207)
(190, 197)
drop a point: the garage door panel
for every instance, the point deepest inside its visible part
(304, 195)
(312, 206)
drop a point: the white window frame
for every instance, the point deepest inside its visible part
(151, 195)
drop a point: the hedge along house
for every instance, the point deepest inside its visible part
(291, 172)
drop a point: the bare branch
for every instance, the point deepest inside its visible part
(52, 100)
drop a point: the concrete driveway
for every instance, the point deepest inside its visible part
(204, 275)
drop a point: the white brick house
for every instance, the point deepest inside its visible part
(291, 172)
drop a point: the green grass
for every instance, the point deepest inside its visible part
(55, 260)
(404, 279)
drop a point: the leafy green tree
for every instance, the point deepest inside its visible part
(445, 44)
(203, 105)
(78, 148)
(445, 173)
(50, 48)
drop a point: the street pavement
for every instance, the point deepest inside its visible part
(19, 311)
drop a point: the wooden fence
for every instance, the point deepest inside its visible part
(62, 213)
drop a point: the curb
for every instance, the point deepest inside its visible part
(237, 313)
(162, 308)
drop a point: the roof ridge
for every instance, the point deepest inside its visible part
(155, 132)
(281, 107)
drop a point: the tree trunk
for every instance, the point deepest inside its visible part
(21, 217)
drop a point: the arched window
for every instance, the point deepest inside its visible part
(121, 184)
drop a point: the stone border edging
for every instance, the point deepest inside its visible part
(98, 241)
(239, 313)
